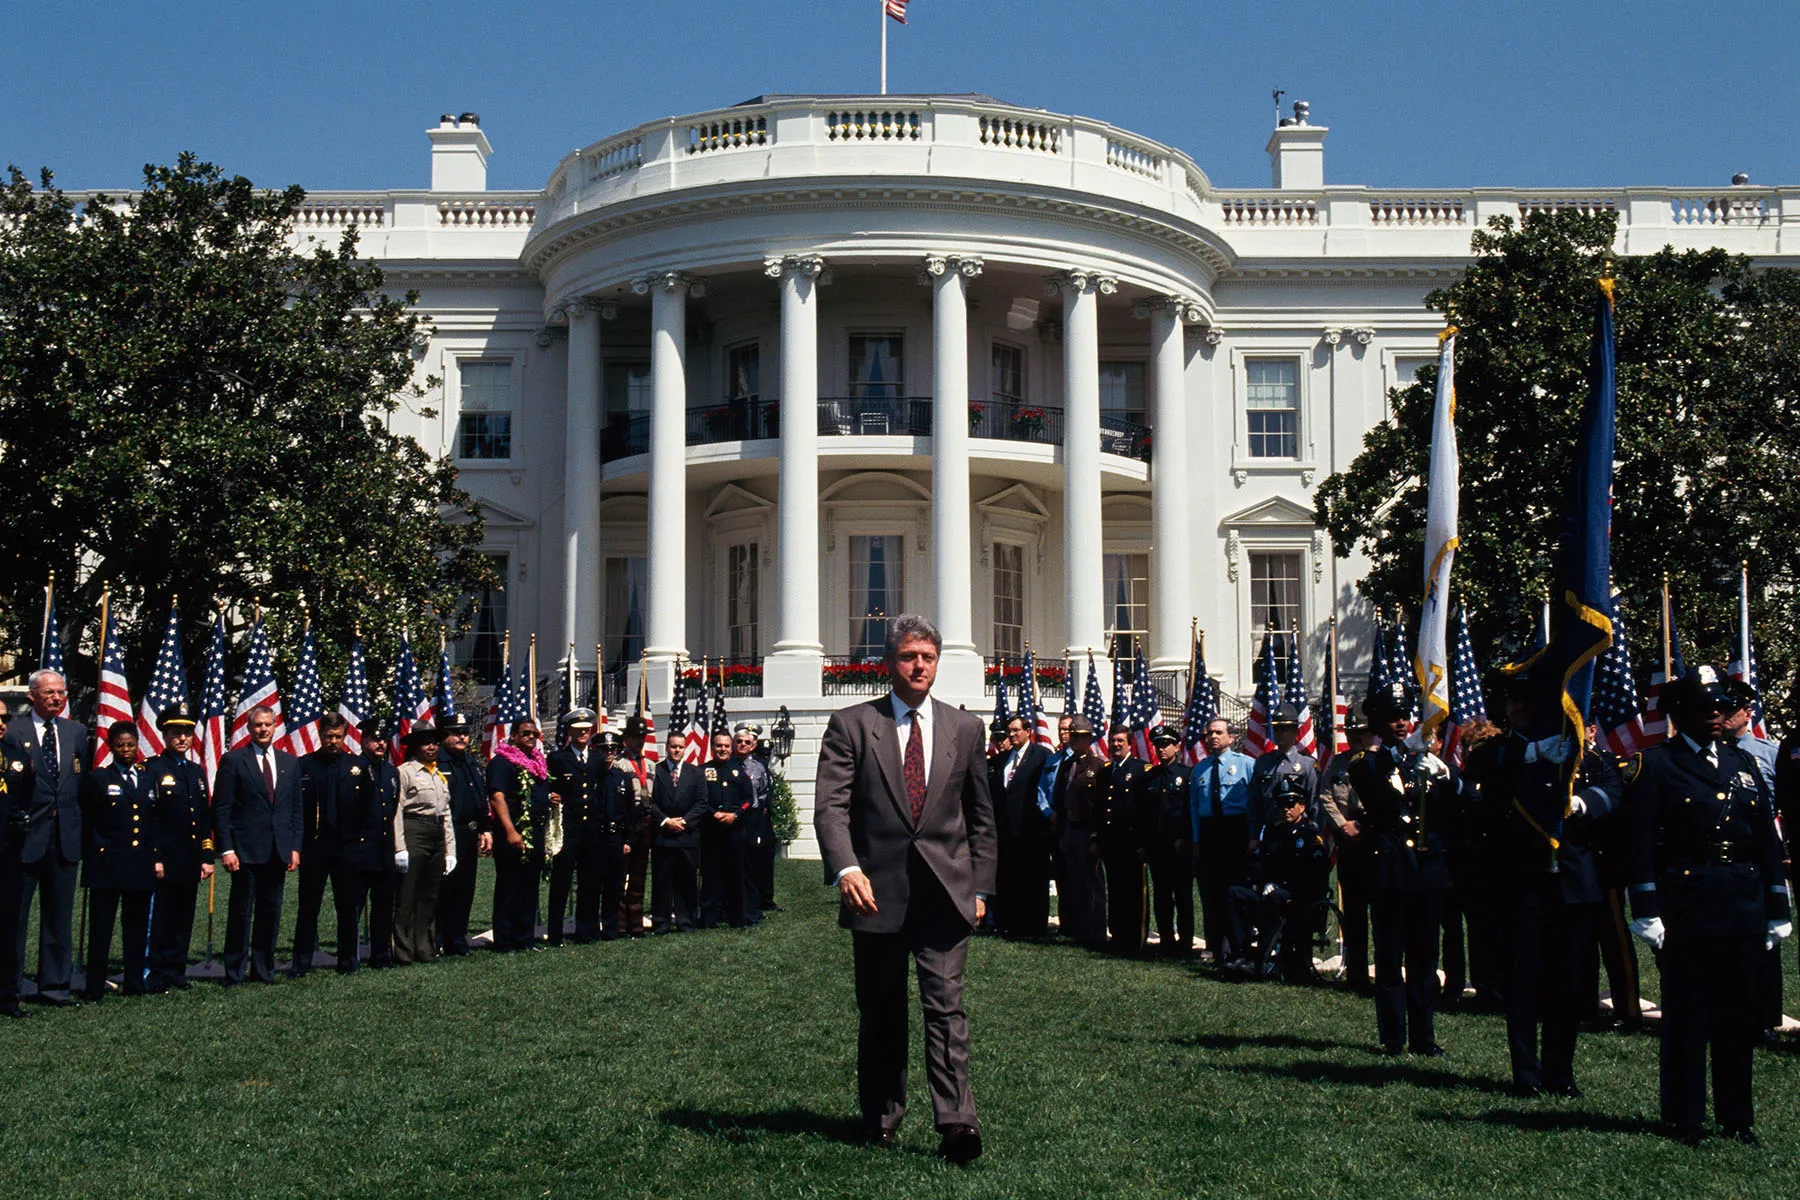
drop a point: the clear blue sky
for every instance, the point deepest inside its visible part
(338, 95)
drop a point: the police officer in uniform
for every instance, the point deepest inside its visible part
(1170, 848)
(323, 775)
(474, 837)
(576, 770)
(1707, 891)
(759, 831)
(184, 823)
(1219, 806)
(1739, 732)
(1285, 761)
(1276, 908)
(623, 799)
(1075, 818)
(1124, 832)
(643, 831)
(119, 863)
(389, 862)
(363, 875)
(1342, 814)
(1408, 800)
(729, 796)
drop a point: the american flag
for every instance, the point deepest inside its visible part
(1380, 673)
(720, 722)
(1466, 701)
(214, 726)
(525, 690)
(1092, 707)
(895, 9)
(308, 698)
(258, 690)
(1656, 722)
(115, 693)
(678, 714)
(50, 657)
(1146, 709)
(1296, 696)
(1202, 707)
(1002, 713)
(699, 738)
(1400, 667)
(1615, 706)
(500, 716)
(410, 702)
(1334, 714)
(1743, 667)
(168, 687)
(1257, 737)
(1037, 720)
(354, 704)
(1121, 699)
(444, 702)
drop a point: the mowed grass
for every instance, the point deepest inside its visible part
(723, 1063)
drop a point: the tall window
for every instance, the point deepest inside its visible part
(877, 590)
(742, 370)
(1122, 390)
(484, 426)
(1009, 375)
(1274, 603)
(1127, 599)
(1009, 599)
(1272, 396)
(740, 599)
(481, 649)
(625, 587)
(877, 366)
(627, 388)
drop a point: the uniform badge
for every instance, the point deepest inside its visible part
(16, 766)
(113, 789)
(168, 781)
(356, 768)
(712, 775)
(1231, 771)
(78, 764)
(1632, 768)
(1746, 781)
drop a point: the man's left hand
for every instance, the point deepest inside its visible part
(980, 910)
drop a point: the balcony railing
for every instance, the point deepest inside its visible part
(743, 677)
(1015, 421)
(855, 675)
(1052, 676)
(1126, 438)
(741, 419)
(874, 416)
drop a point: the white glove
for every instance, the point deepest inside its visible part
(1777, 931)
(1435, 767)
(1649, 930)
(402, 861)
(1577, 806)
(449, 864)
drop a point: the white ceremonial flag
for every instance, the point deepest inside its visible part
(1431, 659)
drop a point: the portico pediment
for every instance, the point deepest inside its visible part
(1015, 501)
(498, 516)
(732, 500)
(1275, 512)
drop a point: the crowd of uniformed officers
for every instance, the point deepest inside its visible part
(1522, 872)
(398, 845)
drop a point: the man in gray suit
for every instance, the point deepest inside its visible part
(907, 831)
(51, 749)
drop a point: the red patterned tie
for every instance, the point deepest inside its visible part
(915, 770)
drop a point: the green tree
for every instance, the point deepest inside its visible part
(192, 409)
(1708, 351)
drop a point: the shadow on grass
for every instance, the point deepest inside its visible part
(1547, 1120)
(1374, 1075)
(1274, 1041)
(742, 1126)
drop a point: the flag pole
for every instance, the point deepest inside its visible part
(1668, 663)
(531, 688)
(50, 607)
(1193, 663)
(881, 12)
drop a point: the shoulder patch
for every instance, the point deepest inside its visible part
(1358, 756)
(1632, 768)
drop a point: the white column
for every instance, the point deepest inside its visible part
(959, 668)
(665, 625)
(1082, 535)
(1171, 519)
(796, 665)
(581, 481)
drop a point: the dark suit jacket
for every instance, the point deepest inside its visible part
(247, 824)
(861, 816)
(1015, 807)
(52, 816)
(580, 787)
(686, 800)
(347, 814)
(120, 843)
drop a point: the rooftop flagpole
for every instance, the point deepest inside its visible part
(881, 10)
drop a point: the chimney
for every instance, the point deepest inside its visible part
(1297, 151)
(459, 154)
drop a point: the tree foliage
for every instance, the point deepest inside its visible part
(1708, 350)
(191, 409)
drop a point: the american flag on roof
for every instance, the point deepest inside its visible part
(115, 693)
(1257, 736)
(214, 729)
(50, 654)
(168, 687)
(1092, 707)
(411, 705)
(1146, 709)
(258, 690)
(1296, 696)
(1002, 712)
(1656, 722)
(443, 700)
(500, 714)
(1037, 720)
(1743, 667)
(354, 704)
(895, 9)
(1334, 713)
(308, 700)
(1616, 710)
(1466, 701)
(1202, 707)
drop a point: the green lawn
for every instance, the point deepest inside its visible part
(723, 1064)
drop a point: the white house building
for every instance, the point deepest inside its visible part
(739, 385)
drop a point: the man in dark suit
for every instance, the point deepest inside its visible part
(474, 837)
(906, 828)
(576, 770)
(724, 878)
(343, 799)
(678, 808)
(256, 806)
(50, 847)
(1124, 829)
(184, 829)
(1022, 836)
(16, 782)
(1170, 849)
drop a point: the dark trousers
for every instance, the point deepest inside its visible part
(1125, 894)
(11, 954)
(351, 889)
(315, 872)
(252, 917)
(674, 889)
(1547, 942)
(516, 877)
(172, 928)
(1221, 858)
(456, 895)
(416, 902)
(1708, 994)
(637, 872)
(54, 880)
(722, 881)
(766, 853)
(1768, 991)
(1484, 963)
(1406, 938)
(580, 857)
(1172, 895)
(1081, 898)
(1620, 958)
(936, 938)
(104, 908)
(1022, 881)
(759, 865)
(1355, 895)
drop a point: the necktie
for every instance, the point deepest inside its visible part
(915, 770)
(268, 769)
(52, 768)
(1217, 811)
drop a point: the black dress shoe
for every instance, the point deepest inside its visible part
(1527, 1091)
(13, 1012)
(1746, 1136)
(1432, 1051)
(1567, 1090)
(961, 1144)
(882, 1137)
(1688, 1135)
(1392, 1050)
(56, 1001)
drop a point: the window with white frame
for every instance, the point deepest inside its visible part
(1127, 585)
(877, 366)
(1408, 366)
(1009, 375)
(1272, 402)
(485, 400)
(1009, 599)
(627, 386)
(877, 590)
(1122, 392)
(740, 599)
(743, 369)
(1274, 602)
(481, 650)
(626, 584)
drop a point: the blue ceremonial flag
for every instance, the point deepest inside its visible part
(308, 699)
(1582, 595)
(1121, 700)
(50, 651)
(168, 687)
(1202, 706)
(1400, 667)
(1092, 707)
(1334, 713)
(354, 704)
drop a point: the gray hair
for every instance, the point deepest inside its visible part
(908, 627)
(31, 680)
